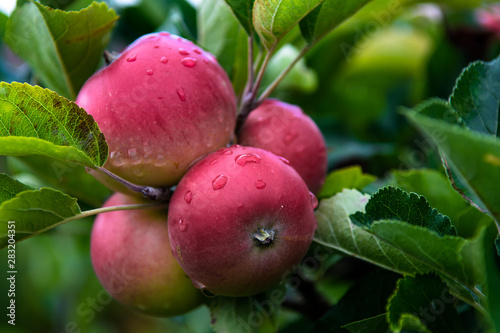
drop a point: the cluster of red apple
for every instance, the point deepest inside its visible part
(240, 217)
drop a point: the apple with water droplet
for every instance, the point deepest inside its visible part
(287, 131)
(240, 220)
(131, 256)
(161, 104)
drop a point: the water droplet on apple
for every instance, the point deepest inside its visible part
(164, 60)
(182, 225)
(196, 50)
(181, 94)
(205, 61)
(260, 184)
(243, 159)
(183, 51)
(284, 160)
(188, 197)
(225, 151)
(160, 161)
(116, 158)
(134, 156)
(132, 58)
(219, 182)
(213, 162)
(314, 200)
(150, 72)
(156, 46)
(164, 33)
(189, 62)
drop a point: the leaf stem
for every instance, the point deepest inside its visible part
(282, 75)
(150, 192)
(96, 211)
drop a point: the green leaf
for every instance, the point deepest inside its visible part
(476, 97)
(327, 16)
(242, 9)
(38, 121)
(9, 188)
(440, 194)
(427, 298)
(402, 247)
(272, 19)
(35, 211)
(247, 314)
(392, 203)
(350, 177)
(366, 299)
(493, 286)
(67, 177)
(219, 32)
(369, 325)
(474, 157)
(63, 48)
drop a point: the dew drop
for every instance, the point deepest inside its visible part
(219, 182)
(116, 158)
(164, 60)
(225, 151)
(182, 225)
(260, 184)
(213, 162)
(206, 61)
(132, 58)
(314, 200)
(243, 159)
(134, 156)
(164, 33)
(196, 50)
(189, 62)
(181, 94)
(160, 161)
(146, 146)
(188, 197)
(156, 46)
(284, 160)
(150, 72)
(183, 51)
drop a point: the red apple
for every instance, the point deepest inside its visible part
(285, 130)
(240, 220)
(163, 103)
(131, 256)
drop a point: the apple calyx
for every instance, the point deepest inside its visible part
(264, 237)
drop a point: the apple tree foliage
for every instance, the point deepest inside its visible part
(430, 235)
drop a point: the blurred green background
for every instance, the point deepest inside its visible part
(353, 84)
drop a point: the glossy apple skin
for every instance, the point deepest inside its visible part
(285, 130)
(218, 206)
(163, 103)
(131, 256)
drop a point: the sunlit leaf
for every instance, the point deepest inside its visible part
(63, 48)
(38, 121)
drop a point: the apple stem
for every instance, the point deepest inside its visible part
(282, 75)
(150, 192)
(264, 236)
